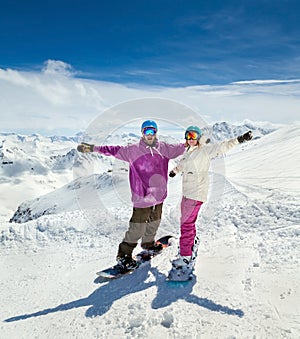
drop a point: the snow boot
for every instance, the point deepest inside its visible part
(181, 261)
(126, 262)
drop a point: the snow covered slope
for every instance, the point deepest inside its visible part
(247, 271)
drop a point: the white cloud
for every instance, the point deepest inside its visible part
(51, 102)
(56, 67)
(13, 77)
(265, 82)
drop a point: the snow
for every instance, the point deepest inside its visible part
(247, 272)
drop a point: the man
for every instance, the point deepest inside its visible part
(148, 175)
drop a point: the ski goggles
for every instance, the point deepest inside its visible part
(149, 131)
(192, 135)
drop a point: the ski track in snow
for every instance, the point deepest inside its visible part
(246, 276)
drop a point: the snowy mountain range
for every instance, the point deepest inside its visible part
(47, 162)
(69, 211)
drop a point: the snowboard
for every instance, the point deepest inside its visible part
(185, 273)
(115, 272)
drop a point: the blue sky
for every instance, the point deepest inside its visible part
(167, 42)
(64, 63)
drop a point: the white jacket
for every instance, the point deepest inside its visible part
(194, 166)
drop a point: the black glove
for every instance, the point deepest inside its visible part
(172, 174)
(85, 148)
(245, 137)
(207, 141)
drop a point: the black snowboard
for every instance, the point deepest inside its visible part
(116, 271)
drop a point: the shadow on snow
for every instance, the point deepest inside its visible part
(101, 300)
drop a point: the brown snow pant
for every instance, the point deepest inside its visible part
(143, 224)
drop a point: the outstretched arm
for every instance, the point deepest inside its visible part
(225, 146)
(120, 152)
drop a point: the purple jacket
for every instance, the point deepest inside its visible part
(148, 169)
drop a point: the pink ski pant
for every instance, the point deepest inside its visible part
(189, 213)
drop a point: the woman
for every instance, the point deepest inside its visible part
(194, 166)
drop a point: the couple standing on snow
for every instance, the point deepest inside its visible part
(148, 174)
